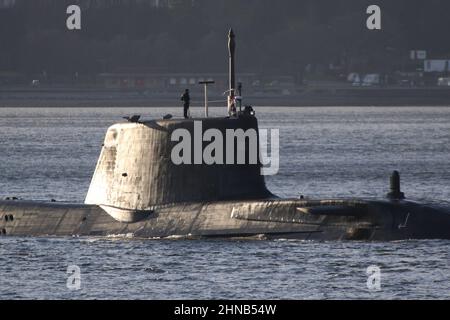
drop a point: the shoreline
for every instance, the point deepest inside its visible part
(306, 97)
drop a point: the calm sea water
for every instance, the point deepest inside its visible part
(325, 152)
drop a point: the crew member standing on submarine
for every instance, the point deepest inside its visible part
(186, 101)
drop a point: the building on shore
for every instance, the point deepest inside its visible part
(437, 65)
(168, 82)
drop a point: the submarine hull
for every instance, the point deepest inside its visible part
(137, 190)
(334, 219)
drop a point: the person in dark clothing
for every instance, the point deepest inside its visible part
(186, 101)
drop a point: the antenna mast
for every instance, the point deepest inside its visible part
(231, 80)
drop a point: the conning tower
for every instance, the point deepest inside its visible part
(136, 171)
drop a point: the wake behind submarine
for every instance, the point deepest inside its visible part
(138, 190)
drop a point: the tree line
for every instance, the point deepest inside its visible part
(273, 36)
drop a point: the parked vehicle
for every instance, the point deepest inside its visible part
(443, 82)
(371, 79)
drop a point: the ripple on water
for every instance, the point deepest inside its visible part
(325, 152)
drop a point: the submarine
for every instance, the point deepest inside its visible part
(137, 190)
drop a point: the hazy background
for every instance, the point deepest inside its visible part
(274, 37)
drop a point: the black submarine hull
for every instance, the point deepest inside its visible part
(335, 219)
(138, 191)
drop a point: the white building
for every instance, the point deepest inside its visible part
(435, 65)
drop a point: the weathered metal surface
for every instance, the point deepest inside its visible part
(135, 170)
(272, 218)
(127, 215)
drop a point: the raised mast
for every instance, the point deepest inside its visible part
(231, 74)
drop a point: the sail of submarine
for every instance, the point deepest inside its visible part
(136, 189)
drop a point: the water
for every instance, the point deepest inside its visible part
(325, 152)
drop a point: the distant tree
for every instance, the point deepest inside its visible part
(273, 36)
